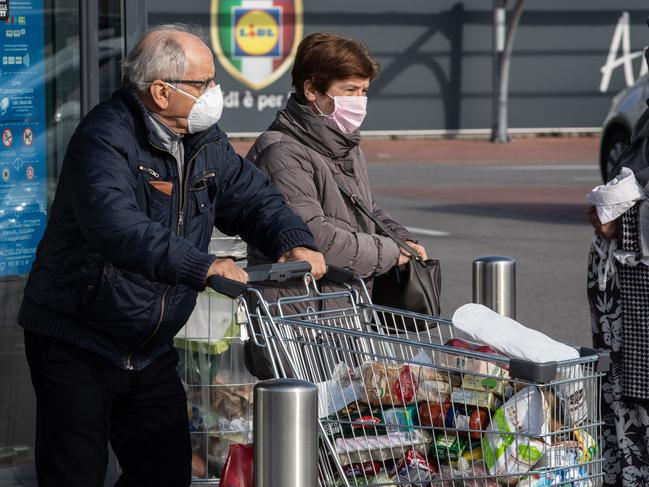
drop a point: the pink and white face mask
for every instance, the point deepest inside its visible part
(349, 112)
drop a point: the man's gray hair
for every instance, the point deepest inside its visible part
(159, 58)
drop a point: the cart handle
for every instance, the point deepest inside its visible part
(259, 273)
(231, 288)
(339, 275)
(278, 272)
(291, 270)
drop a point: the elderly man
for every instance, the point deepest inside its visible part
(145, 179)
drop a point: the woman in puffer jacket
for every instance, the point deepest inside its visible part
(311, 149)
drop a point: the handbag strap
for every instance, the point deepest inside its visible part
(360, 206)
(356, 201)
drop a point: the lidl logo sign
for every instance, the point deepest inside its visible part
(257, 32)
(256, 40)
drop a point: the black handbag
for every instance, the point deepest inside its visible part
(414, 286)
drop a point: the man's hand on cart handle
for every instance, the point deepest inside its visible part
(227, 268)
(316, 259)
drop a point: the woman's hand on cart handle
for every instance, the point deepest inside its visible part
(316, 259)
(227, 268)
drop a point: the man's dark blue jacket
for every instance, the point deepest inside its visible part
(120, 264)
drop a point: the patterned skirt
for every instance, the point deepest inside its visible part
(625, 434)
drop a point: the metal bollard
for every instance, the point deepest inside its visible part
(285, 433)
(494, 283)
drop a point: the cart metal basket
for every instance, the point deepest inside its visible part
(404, 401)
(219, 388)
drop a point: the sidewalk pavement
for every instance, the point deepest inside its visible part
(578, 150)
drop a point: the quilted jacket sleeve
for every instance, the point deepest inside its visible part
(251, 207)
(389, 222)
(291, 172)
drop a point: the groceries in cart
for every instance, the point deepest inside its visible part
(218, 387)
(456, 416)
(477, 401)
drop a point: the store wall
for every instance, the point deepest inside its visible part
(436, 59)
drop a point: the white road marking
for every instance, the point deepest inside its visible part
(588, 179)
(427, 232)
(550, 167)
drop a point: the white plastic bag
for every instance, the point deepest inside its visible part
(514, 442)
(508, 336)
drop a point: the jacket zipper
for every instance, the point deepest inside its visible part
(150, 171)
(187, 170)
(129, 362)
(198, 185)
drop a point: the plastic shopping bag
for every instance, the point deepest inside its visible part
(237, 471)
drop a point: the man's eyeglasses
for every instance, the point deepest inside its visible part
(201, 84)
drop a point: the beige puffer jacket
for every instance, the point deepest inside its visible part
(305, 157)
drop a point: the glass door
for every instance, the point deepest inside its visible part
(44, 79)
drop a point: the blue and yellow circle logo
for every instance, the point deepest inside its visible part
(256, 33)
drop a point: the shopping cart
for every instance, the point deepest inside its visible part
(406, 404)
(219, 388)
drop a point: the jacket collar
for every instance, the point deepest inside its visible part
(142, 116)
(313, 130)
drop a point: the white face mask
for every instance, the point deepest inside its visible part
(349, 112)
(206, 111)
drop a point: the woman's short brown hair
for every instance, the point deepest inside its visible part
(324, 58)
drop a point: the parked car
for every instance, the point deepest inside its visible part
(626, 108)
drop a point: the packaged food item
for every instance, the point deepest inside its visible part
(473, 451)
(433, 413)
(414, 467)
(558, 455)
(370, 421)
(526, 415)
(566, 461)
(571, 395)
(467, 476)
(575, 477)
(456, 360)
(472, 421)
(468, 345)
(461, 343)
(588, 448)
(362, 470)
(478, 399)
(478, 422)
(491, 379)
(398, 385)
(444, 477)
(348, 424)
(230, 400)
(378, 448)
(449, 447)
(471, 455)
(343, 389)
(435, 385)
(383, 479)
(398, 419)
